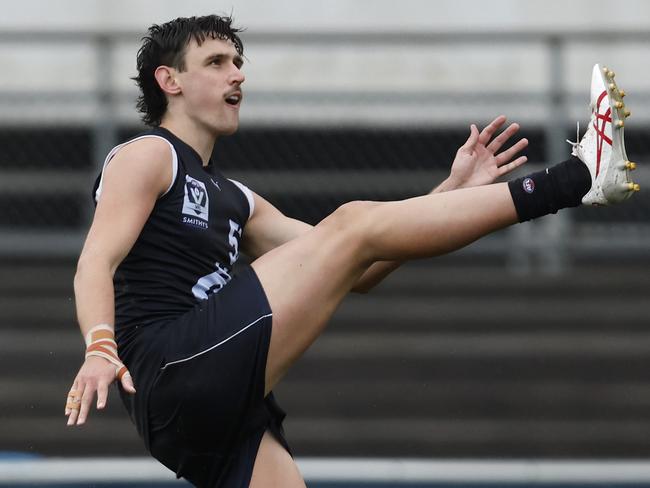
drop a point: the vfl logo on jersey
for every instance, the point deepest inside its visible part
(195, 203)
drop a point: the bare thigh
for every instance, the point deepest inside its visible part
(274, 466)
(306, 279)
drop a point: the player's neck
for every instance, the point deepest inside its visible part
(200, 140)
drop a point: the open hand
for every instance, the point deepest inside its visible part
(96, 375)
(479, 162)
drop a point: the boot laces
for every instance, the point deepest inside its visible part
(576, 146)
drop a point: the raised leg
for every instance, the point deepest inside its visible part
(306, 279)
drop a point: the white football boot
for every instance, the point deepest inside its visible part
(602, 147)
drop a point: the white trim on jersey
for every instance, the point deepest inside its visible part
(248, 194)
(219, 344)
(115, 150)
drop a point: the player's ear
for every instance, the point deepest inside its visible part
(166, 78)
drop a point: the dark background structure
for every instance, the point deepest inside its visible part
(530, 343)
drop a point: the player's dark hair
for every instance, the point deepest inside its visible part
(165, 45)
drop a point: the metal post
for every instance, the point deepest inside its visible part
(104, 128)
(520, 239)
(556, 229)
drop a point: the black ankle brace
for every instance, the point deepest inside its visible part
(546, 192)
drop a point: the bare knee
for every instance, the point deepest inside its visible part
(352, 218)
(354, 222)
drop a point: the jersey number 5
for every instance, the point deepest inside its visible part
(215, 281)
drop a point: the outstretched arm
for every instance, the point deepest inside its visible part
(478, 162)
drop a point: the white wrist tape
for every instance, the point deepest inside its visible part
(100, 341)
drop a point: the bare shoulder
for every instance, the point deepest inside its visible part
(264, 212)
(261, 205)
(145, 162)
(269, 228)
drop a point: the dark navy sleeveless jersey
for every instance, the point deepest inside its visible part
(188, 245)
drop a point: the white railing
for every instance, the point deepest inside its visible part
(344, 472)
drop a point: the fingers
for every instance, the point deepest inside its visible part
(510, 153)
(73, 399)
(507, 168)
(471, 140)
(490, 129)
(127, 382)
(501, 139)
(102, 395)
(81, 398)
(95, 376)
(86, 402)
(74, 403)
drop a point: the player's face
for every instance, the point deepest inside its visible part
(211, 85)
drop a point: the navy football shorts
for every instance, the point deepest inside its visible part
(206, 408)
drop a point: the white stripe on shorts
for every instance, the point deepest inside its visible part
(220, 343)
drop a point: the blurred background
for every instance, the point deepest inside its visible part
(531, 343)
